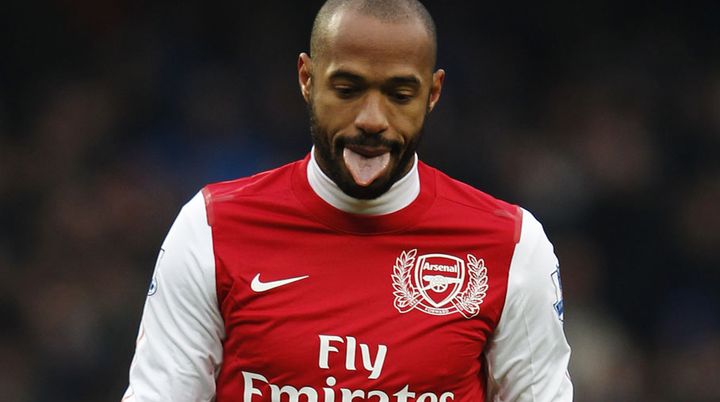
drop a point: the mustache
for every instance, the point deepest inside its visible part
(364, 139)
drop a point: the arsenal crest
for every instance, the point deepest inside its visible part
(439, 284)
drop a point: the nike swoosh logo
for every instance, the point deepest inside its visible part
(259, 286)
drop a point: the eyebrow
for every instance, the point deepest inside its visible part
(409, 80)
(344, 74)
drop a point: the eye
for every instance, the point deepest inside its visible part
(401, 97)
(345, 91)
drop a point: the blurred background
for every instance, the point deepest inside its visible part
(602, 118)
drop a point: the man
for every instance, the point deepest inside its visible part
(358, 273)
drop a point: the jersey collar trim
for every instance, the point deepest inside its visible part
(399, 196)
(335, 218)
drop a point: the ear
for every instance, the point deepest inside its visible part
(437, 82)
(304, 66)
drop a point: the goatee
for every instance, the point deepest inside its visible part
(330, 160)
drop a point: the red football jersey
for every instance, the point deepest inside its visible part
(453, 297)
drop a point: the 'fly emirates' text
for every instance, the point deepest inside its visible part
(330, 344)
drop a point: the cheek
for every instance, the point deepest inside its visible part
(409, 121)
(332, 115)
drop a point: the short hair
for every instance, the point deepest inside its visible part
(384, 10)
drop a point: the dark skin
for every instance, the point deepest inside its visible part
(369, 90)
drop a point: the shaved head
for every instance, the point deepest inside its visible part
(389, 11)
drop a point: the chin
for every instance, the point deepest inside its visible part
(371, 192)
(378, 187)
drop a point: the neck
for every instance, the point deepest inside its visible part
(400, 195)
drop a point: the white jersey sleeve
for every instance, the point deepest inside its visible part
(179, 344)
(528, 355)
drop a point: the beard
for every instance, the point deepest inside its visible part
(330, 159)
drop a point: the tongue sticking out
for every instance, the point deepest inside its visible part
(365, 169)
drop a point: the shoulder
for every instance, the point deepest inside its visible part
(251, 185)
(269, 185)
(453, 190)
(186, 251)
(534, 243)
(472, 202)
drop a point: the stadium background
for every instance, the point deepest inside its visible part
(603, 118)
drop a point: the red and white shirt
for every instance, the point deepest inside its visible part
(279, 287)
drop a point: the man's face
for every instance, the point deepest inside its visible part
(368, 93)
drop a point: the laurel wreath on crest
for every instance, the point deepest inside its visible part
(467, 302)
(406, 297)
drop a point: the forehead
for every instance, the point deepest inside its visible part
(371, 46)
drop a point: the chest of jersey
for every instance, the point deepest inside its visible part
(315, 314)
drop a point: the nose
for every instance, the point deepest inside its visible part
(372, 117)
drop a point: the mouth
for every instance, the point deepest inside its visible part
(368, 151)
(366, 163)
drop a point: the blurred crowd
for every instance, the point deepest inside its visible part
(602, 118)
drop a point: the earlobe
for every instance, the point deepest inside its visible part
(436, 89)
(304, 75)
